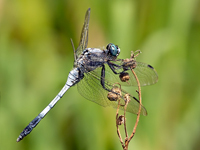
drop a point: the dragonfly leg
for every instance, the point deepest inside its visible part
(112, 67)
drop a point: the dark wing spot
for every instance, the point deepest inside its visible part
(150, 66)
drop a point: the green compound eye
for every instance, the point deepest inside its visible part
(113, 49)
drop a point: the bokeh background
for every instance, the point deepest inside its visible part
(36, 56)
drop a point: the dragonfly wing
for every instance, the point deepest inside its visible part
(84, 35)
(146, 74)
(90, 87)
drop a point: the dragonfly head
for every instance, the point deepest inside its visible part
(113, 50)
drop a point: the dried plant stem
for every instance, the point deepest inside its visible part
(126, 133)
(139, 110)
(127, 140)
(118, 132)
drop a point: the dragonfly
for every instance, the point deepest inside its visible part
(95, 72)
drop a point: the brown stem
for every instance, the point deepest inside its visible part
(118, 132)
(139, 110)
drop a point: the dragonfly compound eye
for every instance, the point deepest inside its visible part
(114, 50)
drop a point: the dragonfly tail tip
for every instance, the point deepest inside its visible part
(19, 138)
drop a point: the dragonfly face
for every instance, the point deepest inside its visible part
(95, 72)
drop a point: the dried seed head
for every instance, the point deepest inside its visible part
(126, 60)
(129, 63)
(124, 76)
(127, 98)
(120, 120)
(112, 96)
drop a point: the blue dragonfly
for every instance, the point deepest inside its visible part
(95, 72)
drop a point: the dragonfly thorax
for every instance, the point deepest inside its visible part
(91, 58)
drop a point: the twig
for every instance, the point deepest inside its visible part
(117, 124)
(127, 97)
(139, 110)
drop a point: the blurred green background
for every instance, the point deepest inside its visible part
(36, 57)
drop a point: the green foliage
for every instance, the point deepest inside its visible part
(36, 57)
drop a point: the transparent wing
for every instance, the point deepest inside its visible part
(84, 35)
(91, 88)
(146, 74)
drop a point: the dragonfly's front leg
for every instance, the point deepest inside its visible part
(112, 67)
